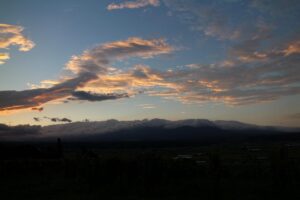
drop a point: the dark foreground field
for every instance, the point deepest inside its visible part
(151, 171)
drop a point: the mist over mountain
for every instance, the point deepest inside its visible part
(145, 130)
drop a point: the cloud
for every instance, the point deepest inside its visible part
(11, 35)
(88, 96)
(97, 60)
(147, 106)
(210, 19)
(92, 65)
(247, 76)
(14, 100)
(36, 119)
(56, 119)
(7, 132)
(240, 84)
(135, 80)
(40, 109)
(133, 4)
(53, 119)
(292, 48)
(280, 8)
(4, 57)
(233, 82)
(235, 20)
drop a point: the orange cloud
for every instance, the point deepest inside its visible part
(293, 48)
(12, 35)
(3, 57)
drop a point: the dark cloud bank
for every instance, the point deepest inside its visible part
(20, 132)
(147, 130)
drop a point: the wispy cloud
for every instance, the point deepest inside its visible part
(40, 109)
(57, 119)
(91, 65)
(133, 4)
(233, 82)
(98, 59)
(292, 48)
(11, 35)
(14, 100)
(4, 57)
(88, 96)
(147, 106)
(53, 119)
(206, 17)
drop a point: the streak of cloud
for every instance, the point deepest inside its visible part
(14, 100)
(232, 82)
(88, 96)
(97, 60)
(57, 119)
(133, 4)
(4, 57)
(147, 106)
(36, 119)
(40, 109)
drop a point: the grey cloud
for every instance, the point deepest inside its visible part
(82, 95)
(57, 119)
(36, 119)
(133, 4)
(13, 100)
(239, 84)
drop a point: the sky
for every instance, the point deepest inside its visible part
(172, 59)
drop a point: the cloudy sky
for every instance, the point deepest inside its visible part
(173, 59)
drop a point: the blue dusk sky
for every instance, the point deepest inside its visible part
(173, 59)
